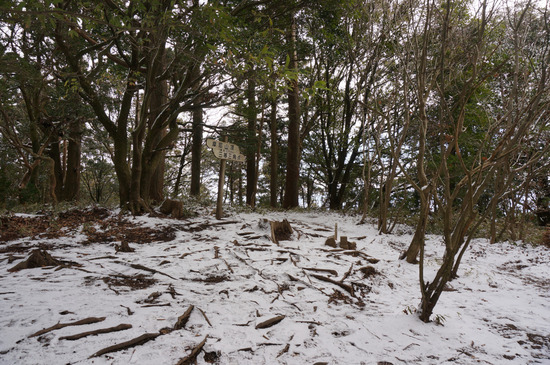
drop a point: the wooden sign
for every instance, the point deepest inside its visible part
(225, 155)
(225, 150)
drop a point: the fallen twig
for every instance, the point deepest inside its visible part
(346, 287)
(229, 267)
(120, 327)
(283, 351)
(356, 253)
(128, 310)
(189, 359)
(205, 317)
(330, 271)
(310, 322)
(245, 233)
(156, 305)
(182, 320)
(89, 320)
(190, 253)
(348, 273)
(309, 285)
(270, 322)
(145, 268)
(103, 257)
(205, 225)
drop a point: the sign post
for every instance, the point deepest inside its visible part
(224, 151)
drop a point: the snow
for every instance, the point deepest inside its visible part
(497, 312)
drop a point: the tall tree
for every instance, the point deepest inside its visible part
(52, 110)
(130, 40)
(196, 149)
(292, 181)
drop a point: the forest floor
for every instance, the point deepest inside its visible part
(116, 289)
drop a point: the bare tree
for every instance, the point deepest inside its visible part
(466, 166)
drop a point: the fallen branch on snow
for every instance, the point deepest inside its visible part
(89, 320)
(120, 327)
(346, 287)
(189, 359)
(270, 322)
(145, 268)
(146, 337)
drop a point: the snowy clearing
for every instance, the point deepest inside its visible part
(250, 301)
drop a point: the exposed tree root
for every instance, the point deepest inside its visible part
(120, 327)
(190, 359)
(146, 337)
(89, 320)
(346, 287)
(182, 320)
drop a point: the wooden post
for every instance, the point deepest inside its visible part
(221, 181)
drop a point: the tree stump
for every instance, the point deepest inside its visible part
(124, 247)
(330, 242)
(347, 245)
(280, 231)
(38, 258)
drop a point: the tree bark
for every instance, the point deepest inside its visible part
(252, 141)
(196, 145)
(71, 185)
(196, 150)
(292, 182)
(274, 162)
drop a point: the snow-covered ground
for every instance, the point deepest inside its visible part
(497, 312)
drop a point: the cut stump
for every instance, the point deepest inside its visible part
(280, 231)
(38, 258)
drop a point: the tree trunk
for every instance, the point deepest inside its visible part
(179, 175)
(196, 145)
(152, 181)
(292, 181)
(417, 242)
(431, 293)
(71, 186)
(251, 144)
(54, 153)
(196, 150)
(274, 168)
